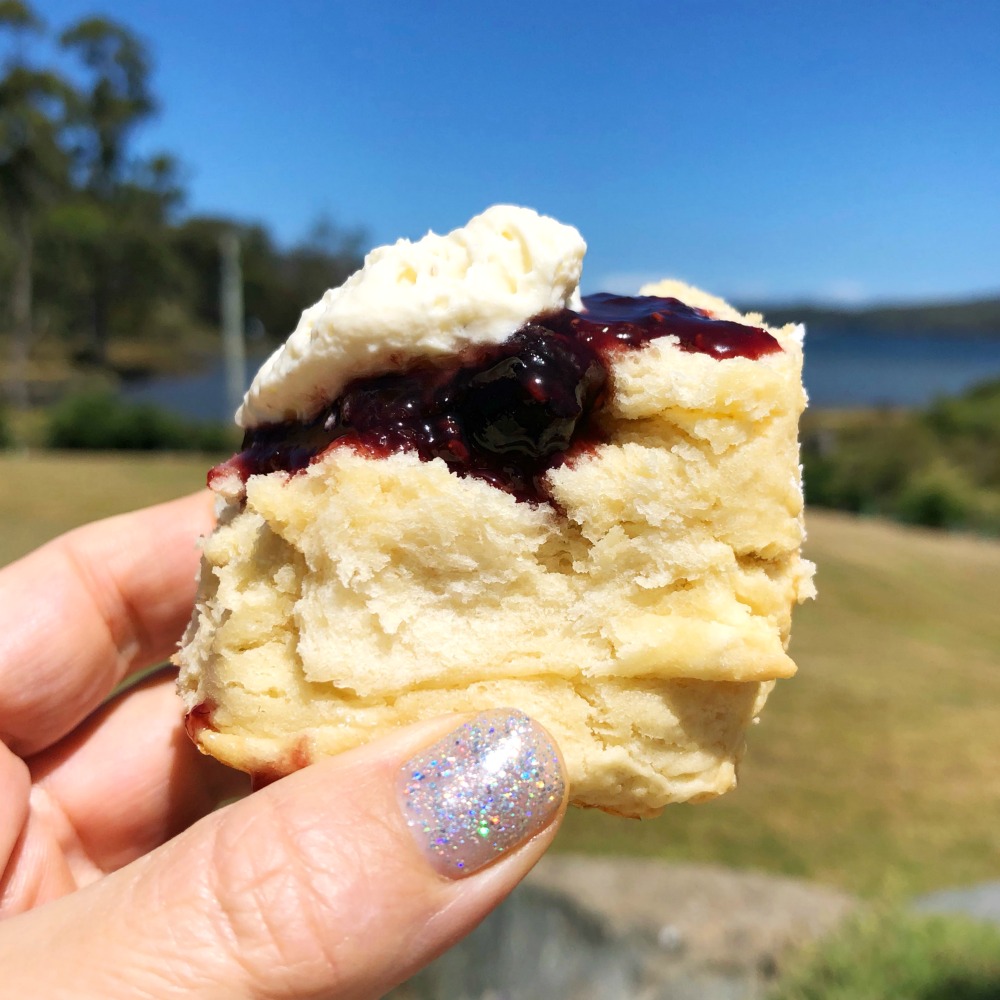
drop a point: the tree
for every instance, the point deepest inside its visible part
(128, 213)
(277, 285)
(33, 166)
(117, 101)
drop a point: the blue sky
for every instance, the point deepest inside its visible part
(845, 151)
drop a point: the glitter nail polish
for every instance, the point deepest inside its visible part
(482, 790)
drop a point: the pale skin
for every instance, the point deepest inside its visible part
(120, 877)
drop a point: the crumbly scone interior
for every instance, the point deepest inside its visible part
(642, 617)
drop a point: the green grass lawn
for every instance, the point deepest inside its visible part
(875, 769)
(884, 954)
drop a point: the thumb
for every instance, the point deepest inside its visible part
(337, 882)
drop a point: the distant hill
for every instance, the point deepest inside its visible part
(979, 317)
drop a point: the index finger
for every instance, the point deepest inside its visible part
(84, 611)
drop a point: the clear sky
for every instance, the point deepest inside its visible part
(843, 150)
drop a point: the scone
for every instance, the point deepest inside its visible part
(463, 487)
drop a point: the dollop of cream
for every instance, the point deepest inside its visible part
(421, 300)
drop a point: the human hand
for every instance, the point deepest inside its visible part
(330, 883)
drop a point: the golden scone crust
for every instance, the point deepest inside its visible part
(642, 617)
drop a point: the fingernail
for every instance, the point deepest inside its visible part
(482, 790)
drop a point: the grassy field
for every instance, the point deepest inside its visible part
(875, 769)
(44, 494)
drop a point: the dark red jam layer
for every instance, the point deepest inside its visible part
(507, 413)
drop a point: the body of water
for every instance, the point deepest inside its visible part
(199, 396)
(846, 369)
(843, 369)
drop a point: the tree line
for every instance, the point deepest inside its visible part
(969, 317)
(95, 249)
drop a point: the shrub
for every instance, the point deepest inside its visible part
(969, 427)
(100, 421)
(976, 413)
(938, 497)
(938, 467)
(864, 468)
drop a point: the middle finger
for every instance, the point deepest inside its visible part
(129, 778)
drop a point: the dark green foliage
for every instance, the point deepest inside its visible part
(100, 421)
(96, 265)
(938, 498)
(938, 467)
(6, 437)
(33, 171)
(898, 956)
(111, 103)
(974, 415)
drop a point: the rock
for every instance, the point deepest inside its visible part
(980, 902)
(591, 928)
(717, 915)
(537, 944)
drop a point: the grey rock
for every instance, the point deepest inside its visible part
(537, 944)
(721, 917)
(584, 928)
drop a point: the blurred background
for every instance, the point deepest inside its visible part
(177, 181)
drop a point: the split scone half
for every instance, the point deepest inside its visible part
(463, 487)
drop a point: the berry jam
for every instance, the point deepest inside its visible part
(506, 413)
(615, 321)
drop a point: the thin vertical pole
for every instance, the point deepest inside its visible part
(231, 311)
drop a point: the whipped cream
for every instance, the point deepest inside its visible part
(435, 297)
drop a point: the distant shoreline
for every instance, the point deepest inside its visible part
(977, 317)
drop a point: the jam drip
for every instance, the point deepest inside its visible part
(506, 413)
